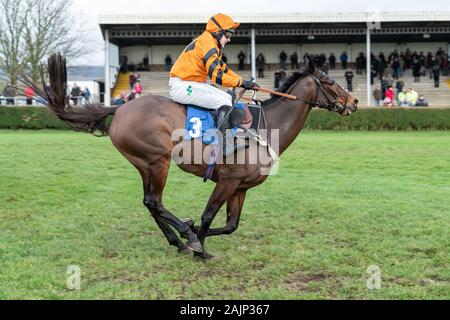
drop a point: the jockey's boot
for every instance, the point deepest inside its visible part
(229, 146)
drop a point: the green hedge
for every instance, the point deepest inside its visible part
(381, 119)
(364, 119)
(29, 118)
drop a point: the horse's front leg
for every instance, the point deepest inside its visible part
(234, 210)
(222, 192)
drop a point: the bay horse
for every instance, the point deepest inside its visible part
(141, 130)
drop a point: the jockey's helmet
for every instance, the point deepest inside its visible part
(221, 22)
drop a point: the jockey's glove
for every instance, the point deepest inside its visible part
(249, 84)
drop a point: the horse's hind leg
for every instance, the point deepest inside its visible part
(157, 177)
(165, 228)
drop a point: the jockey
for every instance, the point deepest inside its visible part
(202, 58)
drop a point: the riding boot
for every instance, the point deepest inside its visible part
(229, 146)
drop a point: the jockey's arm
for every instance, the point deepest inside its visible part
(219, 72)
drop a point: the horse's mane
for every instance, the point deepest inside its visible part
(303, 71)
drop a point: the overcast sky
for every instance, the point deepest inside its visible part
(94, 8)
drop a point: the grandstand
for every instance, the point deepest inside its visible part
(158, 35)
(156, 83)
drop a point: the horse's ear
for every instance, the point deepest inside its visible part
(309, 62)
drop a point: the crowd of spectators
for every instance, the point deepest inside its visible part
(142, 66)
(134, 92)
(393, 68)
(78, 96)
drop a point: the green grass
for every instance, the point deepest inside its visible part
(341, 202)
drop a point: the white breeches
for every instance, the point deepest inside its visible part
(198, 94)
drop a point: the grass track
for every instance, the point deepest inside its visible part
(341, 202)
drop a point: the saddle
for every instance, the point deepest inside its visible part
(200, 120)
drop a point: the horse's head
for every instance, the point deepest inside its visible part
(331, 95)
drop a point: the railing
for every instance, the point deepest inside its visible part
(22, 101)
(19, 101)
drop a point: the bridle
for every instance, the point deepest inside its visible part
(331, 103)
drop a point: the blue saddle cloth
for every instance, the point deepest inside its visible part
(200, 124)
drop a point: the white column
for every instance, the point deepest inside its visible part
(253, 53)
(107, 71)
(349, 53)
(368, 69)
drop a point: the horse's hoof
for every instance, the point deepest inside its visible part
(184, 250)
(203, 255)
(195, 246)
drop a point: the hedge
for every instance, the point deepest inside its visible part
(373, 119)
(364, 119)
(29, 118)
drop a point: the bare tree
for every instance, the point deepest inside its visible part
(55, 27)
(37, 28)
(13, 19)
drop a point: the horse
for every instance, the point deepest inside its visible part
(141, 130)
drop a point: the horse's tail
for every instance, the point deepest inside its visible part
(90, 118)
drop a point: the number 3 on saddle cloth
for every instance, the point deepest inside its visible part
(200, 123)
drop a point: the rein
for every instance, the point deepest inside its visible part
(331, 103)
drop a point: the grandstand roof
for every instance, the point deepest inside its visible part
(309, 17)
(282, 28)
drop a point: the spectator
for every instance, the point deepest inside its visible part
(344, 59)
(373, 71)
(445, 64)
(411, 97)
(120, 100)
(389, 81)
(389, 100)
(9, 92)
(381, 68)
(382, 58)
(283, 58)
(294, 61)
(29, 94)
(360, 63)
(322, 60)
(332, 60)
(260, 63)
(132, 80)
(168, 62)
(378, 96)
(401, 99)
(384, 86)
(146, 61)
(137, 89)
(399, 86)
(241, 58)
(75, 94)
(349, 77)
(86, 94)
(422, 102)
(397, 68)
(436, 73)
(416, 70)
(389, 71)
(277, 78)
